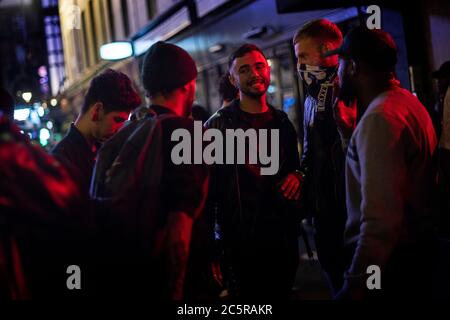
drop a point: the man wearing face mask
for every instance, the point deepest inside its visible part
(322, 160)
(390, 173)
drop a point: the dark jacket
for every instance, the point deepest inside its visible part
(142, 185)
(44, 224)
(228, 200)
(76, 154)
(322, 160)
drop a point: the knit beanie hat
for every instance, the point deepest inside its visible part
(167, 67)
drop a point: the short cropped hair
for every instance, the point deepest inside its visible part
(321, 29)
(114, 90)
(242, 51)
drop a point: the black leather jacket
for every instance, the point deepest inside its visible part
(225, 193)
(322, 160)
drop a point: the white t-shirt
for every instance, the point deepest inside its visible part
(445, 136)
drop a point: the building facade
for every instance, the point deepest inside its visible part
(210, 29)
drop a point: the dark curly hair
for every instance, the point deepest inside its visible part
(115, 90)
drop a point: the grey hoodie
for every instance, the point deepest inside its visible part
(389, 178)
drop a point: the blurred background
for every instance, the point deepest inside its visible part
(50, 49)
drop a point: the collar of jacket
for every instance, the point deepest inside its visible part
(231, 111)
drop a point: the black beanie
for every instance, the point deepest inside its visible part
(167, 67)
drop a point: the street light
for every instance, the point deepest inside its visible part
(27, 96)
(116, 50)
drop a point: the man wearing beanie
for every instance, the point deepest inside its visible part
(169, 75)
(390, 173)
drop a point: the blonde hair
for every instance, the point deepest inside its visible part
(321, 29)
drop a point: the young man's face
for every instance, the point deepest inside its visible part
(251, 74)
(107, 124)
(307, 52)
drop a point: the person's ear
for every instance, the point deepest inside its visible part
(186, 88)
(97, 108)
(189, 88)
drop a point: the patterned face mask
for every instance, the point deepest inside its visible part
(319, 81)
(315, 74)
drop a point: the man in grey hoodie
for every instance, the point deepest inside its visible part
(390, 172)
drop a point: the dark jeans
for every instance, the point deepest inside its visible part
(329, 240)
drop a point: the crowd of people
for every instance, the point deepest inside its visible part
(372, 176)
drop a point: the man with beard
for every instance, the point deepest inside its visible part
(255, 215)
(322, 159)
(390, 172)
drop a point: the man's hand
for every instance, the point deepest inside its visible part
(344, 115)
(291, 186)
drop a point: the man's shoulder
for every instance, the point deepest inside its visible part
(71, 147)
(375, 120)
(227, 114)
(218, 119)
(379, 125)
(279, 114)
(64, 147)
(68, 153)
(393, 108)
(172, 122)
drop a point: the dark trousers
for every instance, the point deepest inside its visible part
(329, 240)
